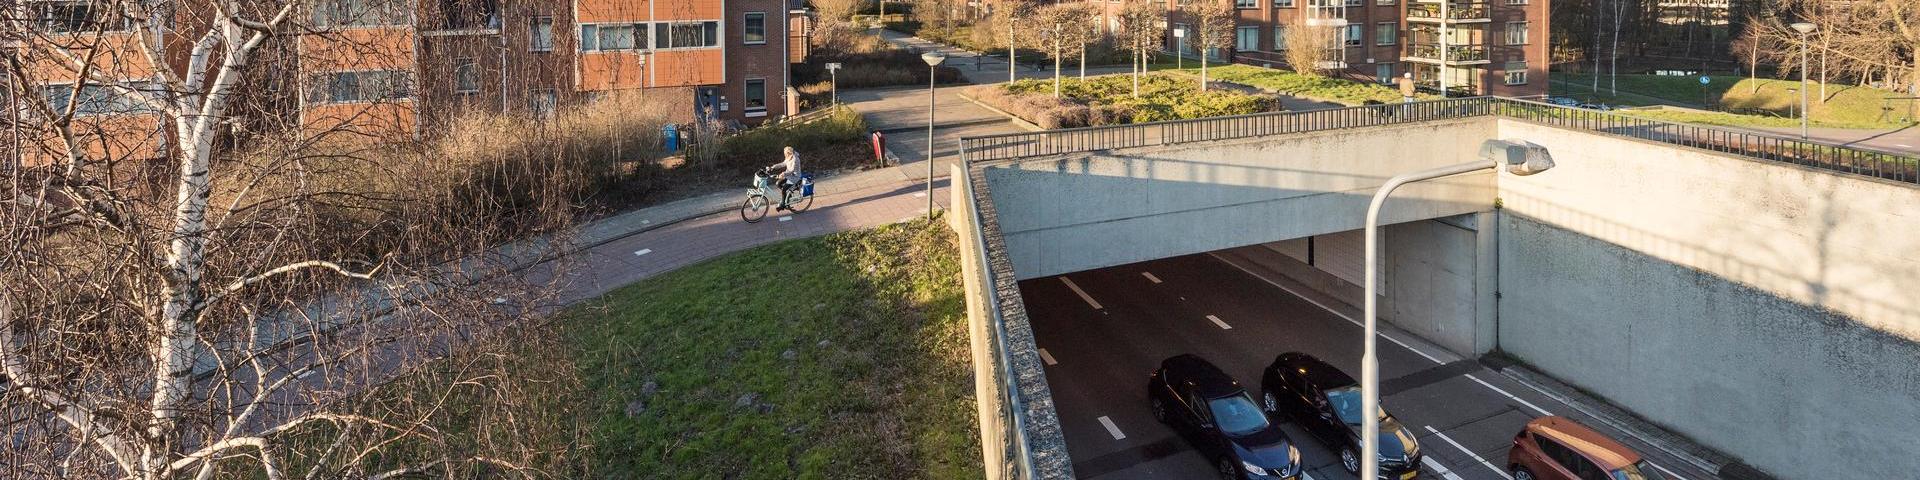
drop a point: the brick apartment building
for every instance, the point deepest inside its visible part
(1497, 47)
(405, 66)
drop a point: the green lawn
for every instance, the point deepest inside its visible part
(1320, 88)
(1765, 100)
(876, 384)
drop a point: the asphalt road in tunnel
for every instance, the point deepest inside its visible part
(1102, 332)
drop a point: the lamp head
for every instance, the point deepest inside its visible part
(1517, 157)
(933, 59)
(1803, 27)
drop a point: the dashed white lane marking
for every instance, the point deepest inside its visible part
(1901, 145)
(1438, 468)
(1669, 473)
(919, 194)
(1082, 293)
(1503, 473)
(644, 222)
(786, 218)
(643, 251)
(1543, 412)
(1150, 277)
(1112, 429)
(1048, 357)
(499, 300)
(1336, 313)
(1216, 321)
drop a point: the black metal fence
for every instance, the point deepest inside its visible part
(1902, 167)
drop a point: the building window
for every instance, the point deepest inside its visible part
(1282, 3)
(756, 95)
(589, 38)
(359, 13)
(1246, 39)
(99, 99)
(1356, 3)
(367, 86)
(1354, 35)
(1383, 2)
(471, 14)
(617, 37)
(686, 35)
(1516, 73)
(755, 30)
(1386, 33)
(1516, 33)
(1246, 4)
(1516, 2)
(62, 17)
(466, 76)
(1279, 38)
(542, 102)
(1384, 72)
(540, 35)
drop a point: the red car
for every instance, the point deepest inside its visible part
(1557, 448)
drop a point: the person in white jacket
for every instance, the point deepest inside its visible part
(789, 168)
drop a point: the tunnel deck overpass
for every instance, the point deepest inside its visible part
(1789, 253)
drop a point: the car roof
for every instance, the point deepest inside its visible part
(1316, 372)
(1207, 379)
(1609, 453)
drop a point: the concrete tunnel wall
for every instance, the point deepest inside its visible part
(1077, 212)
(1765, 310)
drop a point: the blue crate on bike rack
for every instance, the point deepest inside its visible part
(806, 185)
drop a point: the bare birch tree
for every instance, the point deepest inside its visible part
(1212, 30)
(219, 302)
(1141, 26)
(1063, 26)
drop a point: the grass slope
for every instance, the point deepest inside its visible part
(1318, 88)
(1764, 101)
(876, 384)
(1109, 100)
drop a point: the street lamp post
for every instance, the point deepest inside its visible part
(1804, 28)
(1519, 158)
(933, 60)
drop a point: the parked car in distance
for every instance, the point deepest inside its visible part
(1596, 106)
(1325, 401)
(1212, 411)
(1563, 101)
(1557, 448)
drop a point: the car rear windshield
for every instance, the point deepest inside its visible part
(1638, 471)
(1236, 415)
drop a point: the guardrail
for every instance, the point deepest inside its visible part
(1894, 166)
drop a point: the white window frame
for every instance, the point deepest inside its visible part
(1282, 3)
(1355, 35)
(746, 28)
(533, 34)
(1511, 73)
(1246, 4)
(1524, 38)
(1384, 3)
(745, 89)
(589, 36)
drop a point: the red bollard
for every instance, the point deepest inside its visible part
(879, 146)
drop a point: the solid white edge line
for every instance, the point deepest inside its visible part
(1150, 277)
(1048, 357)
(1323, 306)
(919, 194)
(1112, 429)
(1522, 401)
(643, 251)
(1669, 473)
(1216, 321)
(1438, 468)
(1082, 293)
(786, 218)
(1463, 449)
(1305, 476)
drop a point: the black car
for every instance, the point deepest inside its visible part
(1217, 416)
(1326, 402)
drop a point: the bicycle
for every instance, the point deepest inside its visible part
(755, 207)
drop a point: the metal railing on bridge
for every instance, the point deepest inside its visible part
(1901, 167)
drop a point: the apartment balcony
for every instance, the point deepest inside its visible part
(1456, 55)
(1457, 12)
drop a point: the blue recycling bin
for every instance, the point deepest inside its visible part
(670, 137)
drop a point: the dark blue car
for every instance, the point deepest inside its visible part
(1217, 416)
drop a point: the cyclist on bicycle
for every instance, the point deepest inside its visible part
(789, 167)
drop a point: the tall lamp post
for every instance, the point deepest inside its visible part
(1518, 158)
(933, 60)
(1804, 28)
